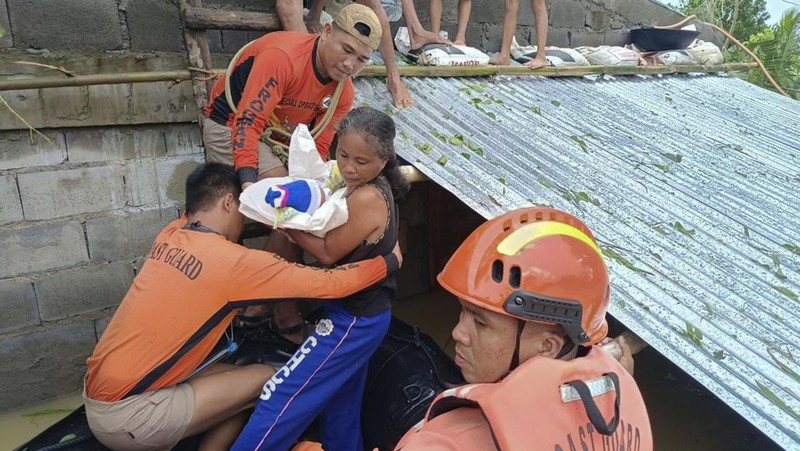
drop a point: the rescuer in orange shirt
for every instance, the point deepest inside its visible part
(143, 389)
(534, 292)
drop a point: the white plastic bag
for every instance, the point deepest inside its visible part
(305, 163)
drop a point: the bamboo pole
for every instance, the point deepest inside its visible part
(574, 71)
(197, 18)
(376, 71)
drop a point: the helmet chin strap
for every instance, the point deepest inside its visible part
(568, 346)
(515, 357)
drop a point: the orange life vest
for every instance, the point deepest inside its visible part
(589, 402)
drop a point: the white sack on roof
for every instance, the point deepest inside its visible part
(674, 58)
(556, 56)
(440, 54)
(705, 52)
(610, 56)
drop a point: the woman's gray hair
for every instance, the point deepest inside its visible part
(378, 131)
(375, 126)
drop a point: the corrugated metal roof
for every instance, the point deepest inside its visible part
(690, 182)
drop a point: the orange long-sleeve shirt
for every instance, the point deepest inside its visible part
(185, 297)
(276, 83)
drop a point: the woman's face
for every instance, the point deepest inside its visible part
(358, 162)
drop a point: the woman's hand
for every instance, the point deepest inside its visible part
(398, 254)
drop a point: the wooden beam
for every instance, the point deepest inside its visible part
(199, 57)
(196, 18)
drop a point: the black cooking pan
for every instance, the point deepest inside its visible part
(657, 39)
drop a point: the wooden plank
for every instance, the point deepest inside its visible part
(217, 19)
(199, 57)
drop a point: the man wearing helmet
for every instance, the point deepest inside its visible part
(534, 292)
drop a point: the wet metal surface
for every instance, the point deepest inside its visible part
(691, 183)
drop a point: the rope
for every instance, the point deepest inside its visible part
(280, 149)
(735, 41)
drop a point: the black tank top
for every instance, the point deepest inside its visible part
(381, 296)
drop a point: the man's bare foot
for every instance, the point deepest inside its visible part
(422, 38)
(500, 60)
(400, 95)
(537, 63)
(460, 41)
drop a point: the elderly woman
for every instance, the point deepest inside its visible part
(326, 375)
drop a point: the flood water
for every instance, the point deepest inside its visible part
(683, 414)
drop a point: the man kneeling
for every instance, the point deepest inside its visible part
(141, 390)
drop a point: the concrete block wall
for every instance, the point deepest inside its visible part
(77, 214)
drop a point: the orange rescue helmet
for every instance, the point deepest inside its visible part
(534, 264)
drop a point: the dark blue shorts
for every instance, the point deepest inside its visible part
(325, 378)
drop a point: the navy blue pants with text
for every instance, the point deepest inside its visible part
(325, 378)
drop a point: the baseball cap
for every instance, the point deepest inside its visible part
(361, 22)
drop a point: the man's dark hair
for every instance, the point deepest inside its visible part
(207, 184)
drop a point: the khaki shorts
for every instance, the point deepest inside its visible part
(217, 139)
(149, 421)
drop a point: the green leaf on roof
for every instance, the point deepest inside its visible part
(660, 230)
(792, 248)
(439, 136)
(746, 231)
(456, 140)
(680, 228)
(663, 167)
(694, 334)
(769, 394)
(786, 292)
(617, 257)
(668, 98)
(476, 100)
(442, 160)
(476, 149)
(580, 142)
(502, 180)
(424, 147)
(544, 183)
(404, 135)
(466, 155)
(555, 103)
(535, 110)
(364, 104)
(389, 111)
(674, 157)
(719, 355)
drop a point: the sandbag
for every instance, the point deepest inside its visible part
(439, 54)
(674, 58)
(706, 53)
(610, 56)
(405, 374)
(556, 56)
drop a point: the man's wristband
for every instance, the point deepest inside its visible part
(392, 264)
